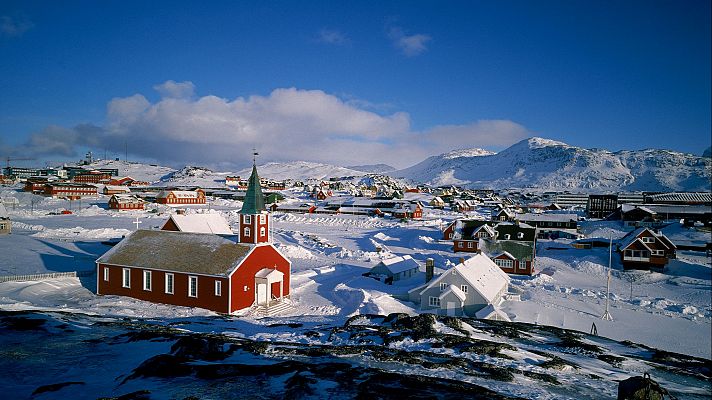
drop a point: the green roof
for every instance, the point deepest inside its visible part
(254, 202)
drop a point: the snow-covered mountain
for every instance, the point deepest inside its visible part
(373, 168)
(548, 165)
(301, 171)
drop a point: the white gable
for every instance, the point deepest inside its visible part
(481, 273)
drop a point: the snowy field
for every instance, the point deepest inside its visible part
(670, 311)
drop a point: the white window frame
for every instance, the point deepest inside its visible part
(507, 236)
(522, 264)
(262, 231)
(464, 288)
(218, 287)
(520, 235)
(192, 282)
(126, 278)
(106, 274)
(247, 219)
(648, 239)
(246, 231)
(169, 289)
(147, 280)
(263, 219)
(469, 245)
(443, 286)
(504, 262)
(434, 301)
(461, 245)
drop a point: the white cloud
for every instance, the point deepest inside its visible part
(332, 37)
(409, 45)
(14, 27)
(177, 90)
(287, 125)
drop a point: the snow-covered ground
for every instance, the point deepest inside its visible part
(670, 311)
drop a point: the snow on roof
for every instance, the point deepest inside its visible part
(697, 197)
(504, 253)
(270, 274)
(116, 187)
(456, 291)
(3, 212)
(127, 198)
(202, 223)
(631, 237)
(399, 264)
(481, 273)
(183, 194)
(492, 313)
(177, 251)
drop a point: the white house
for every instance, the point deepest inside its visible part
(464, 289)
(395, 269)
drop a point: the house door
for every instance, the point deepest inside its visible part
(451, 308)
(261, 293)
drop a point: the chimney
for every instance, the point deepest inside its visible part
(429, 269)
(462, 260)
(180, 211)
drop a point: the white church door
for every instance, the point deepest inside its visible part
(261, 293)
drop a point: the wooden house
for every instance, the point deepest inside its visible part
(407, 211)
(181, 197)
(125, 202)
(202, 269)
(70, 190)
(5, 221)
(466, 234)
(504, 214)
(512, 256)
(464, 289)
(437, 202)
(645, 249)
(114, 189)
(395, 269)
(92, 177)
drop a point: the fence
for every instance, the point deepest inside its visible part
(41, 277)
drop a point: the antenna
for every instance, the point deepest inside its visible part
(254, 156)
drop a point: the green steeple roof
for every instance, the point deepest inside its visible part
(254, 200)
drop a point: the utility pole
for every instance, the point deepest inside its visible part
(607, 315)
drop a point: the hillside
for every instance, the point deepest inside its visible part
(301, 170)
(550, 165)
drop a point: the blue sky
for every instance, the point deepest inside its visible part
(339, 82)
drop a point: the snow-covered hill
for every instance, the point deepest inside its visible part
(143, 172)
(301, 171)
(373, 168)
(546, 164)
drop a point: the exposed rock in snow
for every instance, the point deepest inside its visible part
(543, 164)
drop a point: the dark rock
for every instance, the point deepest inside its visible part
(611, 359)
(640, 388)
(194, 347)
(161, 366)
(387, 385)
(137, 395)
(21, 323)
(54, 387)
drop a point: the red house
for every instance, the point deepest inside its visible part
(72, 191)
(644, 248)
(172, 197)
(201, 269)
(125, 202)
(92, 177)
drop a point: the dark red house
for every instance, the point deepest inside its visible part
(201, 269)
(172, 197)
(644, 248)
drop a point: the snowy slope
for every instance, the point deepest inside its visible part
(373, 168)
(300, 171)
(142, 172)
(546, 164)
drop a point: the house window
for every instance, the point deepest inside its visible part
(146, 280)
(523, 264)
(648, 239)
(218, 288)
(469, 245)
(463, 288)
(461, 245)
(658, 252)
(520, 235)
(507, 236)
(449, 235)
(434, 301)
(192, 286)
(443, 286)
(628, 253)
(262, 231)
(127, 278)
(106, 274)
(504, 263)
(247, 219)
(247, 232)
(169, 283)
(263, 219)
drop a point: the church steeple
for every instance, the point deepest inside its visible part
(254, 200)
(254, 219)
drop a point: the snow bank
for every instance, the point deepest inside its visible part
(81, 233)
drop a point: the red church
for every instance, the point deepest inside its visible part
(202, 269)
